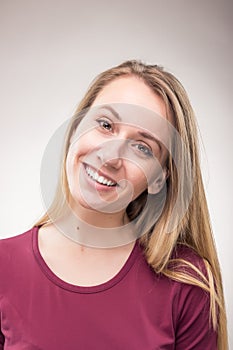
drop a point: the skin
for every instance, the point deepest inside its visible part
(99, 143)
(87, 266)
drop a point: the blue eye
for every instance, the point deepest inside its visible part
(104, 124)
(144, 149)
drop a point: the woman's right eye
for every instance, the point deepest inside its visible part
(105, 124)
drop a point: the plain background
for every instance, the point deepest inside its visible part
(50, 52)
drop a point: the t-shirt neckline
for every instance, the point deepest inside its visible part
(81, 289)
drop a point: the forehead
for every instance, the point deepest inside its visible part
(131, 90)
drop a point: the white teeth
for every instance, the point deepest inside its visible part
(101, 179)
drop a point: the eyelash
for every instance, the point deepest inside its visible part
(141, 147)
(102, 121)
(146, 150)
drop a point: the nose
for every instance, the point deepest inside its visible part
(111, 153)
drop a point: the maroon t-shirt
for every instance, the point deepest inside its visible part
(135, 310)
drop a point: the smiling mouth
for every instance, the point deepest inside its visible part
(94, 175)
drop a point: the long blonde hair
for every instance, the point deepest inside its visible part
(194, 230)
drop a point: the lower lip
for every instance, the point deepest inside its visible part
(98, 186)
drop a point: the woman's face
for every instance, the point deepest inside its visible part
(118, 148)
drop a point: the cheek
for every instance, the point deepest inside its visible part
(138, 179)
(81, 147)
(77, 151)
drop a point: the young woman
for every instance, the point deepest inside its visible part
(124, 258)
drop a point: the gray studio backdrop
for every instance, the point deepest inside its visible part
(51, 50)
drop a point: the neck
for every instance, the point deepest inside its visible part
(95, 229)
(99, 219)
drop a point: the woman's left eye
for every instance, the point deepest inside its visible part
(105, 124)
(144, 149)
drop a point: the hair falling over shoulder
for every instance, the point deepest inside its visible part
(194, 230)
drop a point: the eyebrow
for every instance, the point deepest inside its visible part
(150, 137)
(141, 133)
(112, 111)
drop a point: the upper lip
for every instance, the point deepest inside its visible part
(100, 172)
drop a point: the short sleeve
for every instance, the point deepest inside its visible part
(194, 330)
(1, 341)
(1, 337)
(2, 267)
